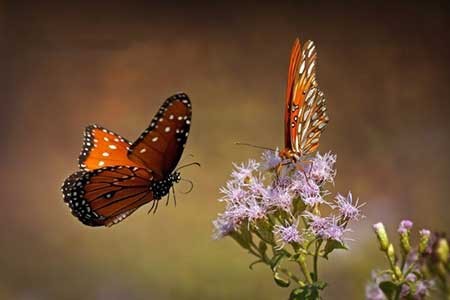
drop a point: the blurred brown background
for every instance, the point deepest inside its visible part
(384, 68)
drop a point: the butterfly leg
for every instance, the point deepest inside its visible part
(156, 206)
(167, 199)
(174, 198)
(153, 206)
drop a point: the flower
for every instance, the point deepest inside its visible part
(322, 168)
(278, 197)
(373, 291)
(243, 171)
(405, 226)
(307, 189)
(254, 210)
(224, 225)
(288, 233)
(270, 159)
(325, 228)
(233, 192)
(348, 209)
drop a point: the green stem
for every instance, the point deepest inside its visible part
(291, 276)
(302, 263)
(316, 256)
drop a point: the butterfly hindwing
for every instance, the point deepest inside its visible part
(161, 145)
(314, 119)
(106, 196)
(102, 148)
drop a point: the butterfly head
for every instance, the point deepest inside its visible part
(175, 177)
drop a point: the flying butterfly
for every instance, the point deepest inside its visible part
(305, 115)
(117, 177)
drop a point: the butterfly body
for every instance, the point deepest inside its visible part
(305, 105)
(118, 177)
(161, 188)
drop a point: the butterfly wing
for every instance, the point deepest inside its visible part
(305, 112)
(313, 118)
(293, 66)
(161, 145)
(106, 196)
(102, 148)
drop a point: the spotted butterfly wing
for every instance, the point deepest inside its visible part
(314, 118)
(305, 108)
(160, 146)
(107, 195)
(118, 177)
(102, 148)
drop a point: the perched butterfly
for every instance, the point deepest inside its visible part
(305, 108)
(118, 177)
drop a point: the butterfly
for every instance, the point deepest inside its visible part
(305, 107)
(117, 177)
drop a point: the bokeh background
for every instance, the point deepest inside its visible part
(384, 68)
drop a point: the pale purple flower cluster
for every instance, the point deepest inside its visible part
(421, 287)
(325, 227)
(258, 189)
(373, 291)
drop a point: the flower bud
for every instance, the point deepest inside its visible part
(442, 250)
(391, 254)
(404, 230)
(424, 236)
(381, 235)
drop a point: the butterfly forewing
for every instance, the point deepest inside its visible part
(305, 111)
(106, 196)
(102, 148)
(160, 146)
(293, 66)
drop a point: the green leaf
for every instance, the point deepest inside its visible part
(309, 292)
(254, 263)
(389, 288)
(275, 261)
(246, 234)
(265, 231)
(332, 245)
(280, 281)
(262, 247)
(299, 206)
(240, 239)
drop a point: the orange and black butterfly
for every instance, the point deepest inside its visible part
(305, 108)
(118, 177)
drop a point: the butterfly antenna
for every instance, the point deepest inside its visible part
(191, 188)
(254, 146)
(184, 166)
